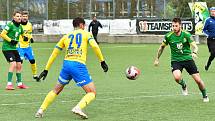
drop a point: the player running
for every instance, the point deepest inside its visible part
(24, 47)
(74, 67)
(10, 35)
(182, 57)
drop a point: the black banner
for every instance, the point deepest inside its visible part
(161, 26)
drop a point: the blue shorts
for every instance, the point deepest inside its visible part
(26, 53)
(76, 71)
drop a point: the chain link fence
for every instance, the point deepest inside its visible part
(104, 9)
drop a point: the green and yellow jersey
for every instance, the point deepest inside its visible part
(179, 45)
(75, 44)
(27, 33)
(11, 32)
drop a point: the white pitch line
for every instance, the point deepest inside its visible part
(18, 94)
(102, 99)
(105, 99)
(120, 46)
(101, 93)
(26, 94)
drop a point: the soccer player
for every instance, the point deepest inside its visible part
(24, 47)
(95, 28)
(75, 44)
(209, 30)
(182, 56)
(10, 35)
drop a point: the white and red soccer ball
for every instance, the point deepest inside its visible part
(132, 72)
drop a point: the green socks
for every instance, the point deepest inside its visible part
(182, 83)
(9, 76)
(204, 93)
(19, 77)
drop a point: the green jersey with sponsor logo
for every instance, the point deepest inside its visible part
(13, 32)
(179, 45)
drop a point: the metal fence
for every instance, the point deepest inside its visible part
(104, 9)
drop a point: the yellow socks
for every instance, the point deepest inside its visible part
(48, 100)
(86, 100)
(34, 68)
(82, 104)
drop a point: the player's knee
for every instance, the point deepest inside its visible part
(32, 61)
(177, 78)
(58, 88)
(18, 66)
(13, 64)
(93, 93)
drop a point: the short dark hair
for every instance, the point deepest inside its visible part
(16, 11)
(77, 21)
(25, 13)
(176, 20)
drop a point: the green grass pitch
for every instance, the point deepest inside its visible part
(154, 96)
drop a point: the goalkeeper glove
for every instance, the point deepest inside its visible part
(13, 42)
(43, 74)
(32, 41)
(25, 39)
(104, 66)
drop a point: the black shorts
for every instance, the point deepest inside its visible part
(189, 65)
(12, 55)
(211, 45)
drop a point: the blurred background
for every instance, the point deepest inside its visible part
(103, 9)
(54, 17)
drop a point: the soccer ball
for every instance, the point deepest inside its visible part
(132, 72)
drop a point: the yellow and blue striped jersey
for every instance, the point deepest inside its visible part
(75, 44)
(28, 33)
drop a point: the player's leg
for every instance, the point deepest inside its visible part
(12, 63)
(50, 97)
(211, 48)
(88, 97)
(30, 57)
(193, 71)
(177, 74)
(201, 86)
(90, 90)
(34, 69)
(19, 80)
(210, 59)
(82, 78)
(63, 79)
(18, 71)
(95, 36)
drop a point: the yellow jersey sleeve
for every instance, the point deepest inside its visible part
(95, 47)
(55, 53)
(60, 45)
(4, 35)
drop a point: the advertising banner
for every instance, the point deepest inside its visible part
(201, 13)
(52, 27)
(120, 26)
(161, 26)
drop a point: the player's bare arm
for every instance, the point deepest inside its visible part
(195, 49)
(159, 53)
